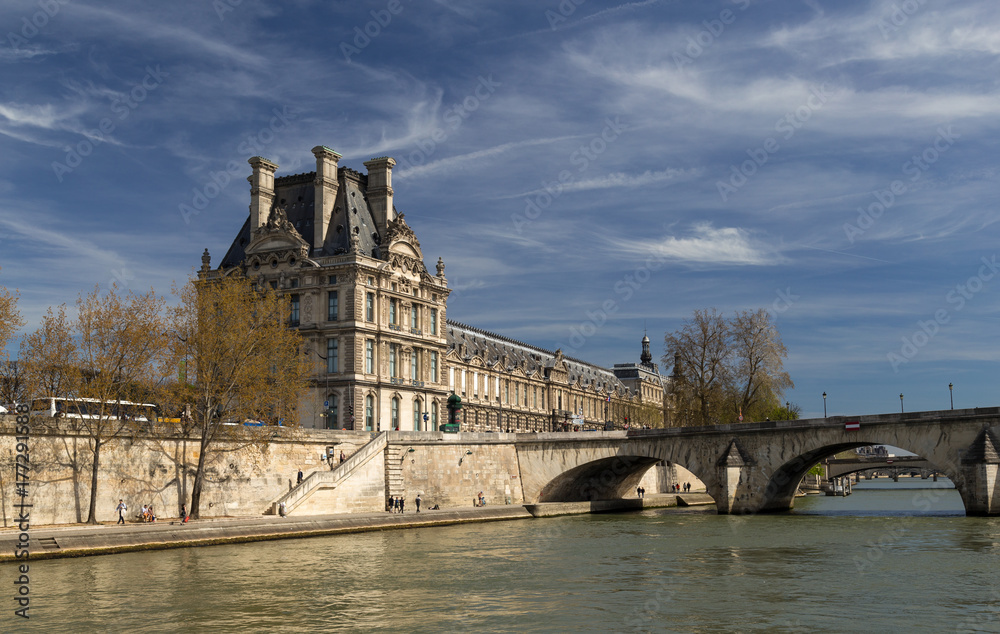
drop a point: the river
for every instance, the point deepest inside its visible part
(890, 557)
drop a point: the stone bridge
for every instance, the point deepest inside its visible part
(757, 467)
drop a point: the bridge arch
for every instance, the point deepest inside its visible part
(608, 478)
(779, 492)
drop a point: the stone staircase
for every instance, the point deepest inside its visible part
(330, 479)
(394, 455)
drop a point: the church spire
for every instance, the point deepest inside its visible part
(646, 358)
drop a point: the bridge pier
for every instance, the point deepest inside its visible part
(734, 482)
(980, 489)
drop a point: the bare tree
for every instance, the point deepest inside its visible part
(11, 382)
(243, 361)
(122, 346)
(758, 360)
(727, 369)
(10, 319)
(702, 347)
(48, 357)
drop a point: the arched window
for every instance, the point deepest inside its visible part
(394, 413)
(434, 416)
(418, 421)
(369, 412)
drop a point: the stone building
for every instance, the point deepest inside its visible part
(375, 319)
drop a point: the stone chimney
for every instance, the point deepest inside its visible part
(326, 184)
(261, 190)
(380, 191)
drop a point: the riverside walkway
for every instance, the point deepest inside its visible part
(77, 540)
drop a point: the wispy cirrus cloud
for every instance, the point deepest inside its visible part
(704, 245)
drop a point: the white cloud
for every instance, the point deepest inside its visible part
(706, 245)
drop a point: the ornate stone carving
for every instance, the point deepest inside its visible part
(440, 268)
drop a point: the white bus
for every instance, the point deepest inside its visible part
(92, 408)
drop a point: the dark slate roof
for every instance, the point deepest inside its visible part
(492, 347)
(296, 194)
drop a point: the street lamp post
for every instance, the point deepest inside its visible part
(824, 404)
(901, 410)
(951, 395)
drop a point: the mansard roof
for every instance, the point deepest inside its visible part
(491, 347)
(296, 194)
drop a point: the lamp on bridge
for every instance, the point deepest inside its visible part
(901, 403)
(824, 404)
(951, 395)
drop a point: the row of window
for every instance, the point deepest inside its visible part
(333, 312)
(422, 421)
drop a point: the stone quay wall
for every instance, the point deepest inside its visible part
(451, 469)
(157, 467)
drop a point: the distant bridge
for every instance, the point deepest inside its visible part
(757, 467)
(837, 467)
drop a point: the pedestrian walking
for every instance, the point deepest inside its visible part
(184, 512)
(281, 509)
(402, 503)
(299, 480)
(342, 456)
(121, 508)
(418, 502)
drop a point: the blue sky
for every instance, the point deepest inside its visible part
(585, 169)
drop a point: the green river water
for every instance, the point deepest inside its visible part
(889, 558)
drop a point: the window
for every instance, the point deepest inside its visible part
(369, 412)
(434, 367)
(506, 391)
(293, 283)
(463, 382)
(498, 389)
(332, 350)
(451, 379)
(331, 306)
(414, 321)
(332, 279)
(415, 365)
(370, 307)
(534, 397)
(434, 416)
(418, 423)
(434, 321)
(274, 284)
(370, 356)
(517, 393)
(331, 411)
(393, 354)
(294, 316)
(394, 413)
(392, 312)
